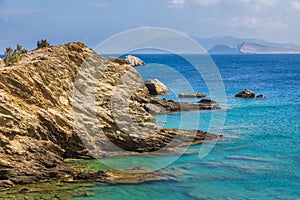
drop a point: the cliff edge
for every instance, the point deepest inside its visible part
(42, 120)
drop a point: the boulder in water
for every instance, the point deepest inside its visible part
(245, 94)
(261, 96)
(156, 87)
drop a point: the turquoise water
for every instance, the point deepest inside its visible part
(260, 159)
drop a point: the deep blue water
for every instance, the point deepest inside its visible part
(260, 160)
(1, 56)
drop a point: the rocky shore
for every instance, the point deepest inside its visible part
(39, 115)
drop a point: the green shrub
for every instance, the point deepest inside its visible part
(20, 49)
(42, 44)
(12, 56)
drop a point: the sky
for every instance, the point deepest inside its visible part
(92, 21)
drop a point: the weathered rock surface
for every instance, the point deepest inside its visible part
(246, 94)
(134, 61)
(69, 102)
(156, 87)
(191, 95)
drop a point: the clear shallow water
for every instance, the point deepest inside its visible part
(260, 161)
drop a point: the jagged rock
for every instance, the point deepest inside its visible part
(156, 87)
(261, 96)
(47, 115)
(191, 95)
(246, 94)
(134, 61)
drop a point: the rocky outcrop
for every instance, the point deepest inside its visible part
(69, 102)
(156, 87)
(246, 94)
(134, 61)
(191, 95)
(162, 106)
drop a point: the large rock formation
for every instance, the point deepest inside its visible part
(69, 102)
(156, 87)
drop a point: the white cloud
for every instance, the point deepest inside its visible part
(295, 4)
(265, 24)
(4, 41)
(267, 2)
(259, 2)
(177, 3)
(19, 11)
(258, 5)
(207, 2)
(243, 1)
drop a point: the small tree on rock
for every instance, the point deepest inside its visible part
(42, 44)
(20, 49)
(8, 51)
(12, 56)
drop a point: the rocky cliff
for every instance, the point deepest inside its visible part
(43, 117)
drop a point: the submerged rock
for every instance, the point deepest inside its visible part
(191, 95)
(246, 94)
(156, 87)
(134, 61)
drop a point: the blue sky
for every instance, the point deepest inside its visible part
(91, 21)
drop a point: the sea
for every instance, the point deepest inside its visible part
(259, 157)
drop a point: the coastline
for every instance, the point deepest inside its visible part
(264, 132)
(38, 92)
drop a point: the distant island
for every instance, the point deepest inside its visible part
(233, 45)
